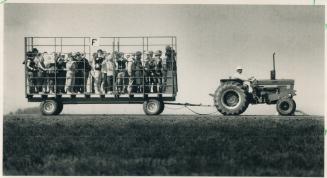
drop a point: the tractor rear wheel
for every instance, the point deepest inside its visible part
(231, 99)
(286, 106)
(153, 107)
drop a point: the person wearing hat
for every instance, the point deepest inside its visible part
(98, 58)
(238, 75)
(104, 70)
(31, 72)
(61, 76)
(51, 72)
(158, 70)
(109, 66)
(147, 74)
(41, 73)
(82, 72)
(121, 71)
(138, 72)
(70, 74)
(130, 72)
(150, 70)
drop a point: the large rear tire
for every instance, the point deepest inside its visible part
(231, 99)
(286, 106)
(49, 107)
(153, 107)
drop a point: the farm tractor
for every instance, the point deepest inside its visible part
(233, 96)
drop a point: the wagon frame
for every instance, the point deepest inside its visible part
(52, 104)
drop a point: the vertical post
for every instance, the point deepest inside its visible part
(84, 72)
(176, 64)
(143, 71)
(90, 59)
(114, 89)
(25, 63)
(55, 84)
(60, 44)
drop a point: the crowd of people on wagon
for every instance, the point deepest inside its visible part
(111, 73)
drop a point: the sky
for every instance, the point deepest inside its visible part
(212, 40)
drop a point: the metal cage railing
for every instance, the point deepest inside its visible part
(47, 60)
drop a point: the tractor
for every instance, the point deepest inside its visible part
(233, 96)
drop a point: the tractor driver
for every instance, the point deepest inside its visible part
(238, 75)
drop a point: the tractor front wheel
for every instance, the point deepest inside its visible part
(286, 106)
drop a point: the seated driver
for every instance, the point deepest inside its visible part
(238, 75)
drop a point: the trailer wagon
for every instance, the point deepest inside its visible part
(48, 77)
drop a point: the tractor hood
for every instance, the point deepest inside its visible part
(274, 82)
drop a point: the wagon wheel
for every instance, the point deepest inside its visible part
(153, 107)
(50, 107)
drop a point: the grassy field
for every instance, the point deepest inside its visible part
(163, 145)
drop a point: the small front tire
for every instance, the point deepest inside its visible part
(286, 106)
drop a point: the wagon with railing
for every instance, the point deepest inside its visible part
(48, 61)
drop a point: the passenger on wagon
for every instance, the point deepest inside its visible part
(138, 72)
(110, 69)
(41, 73)
(146, 79)
(31, 72)
(61, 76)
(51, 72)
(121, 71)
(158, 70)
(150, 69)
(130, 72)
(82, 72)
(97, 62)
(70, 74)
(104, 83)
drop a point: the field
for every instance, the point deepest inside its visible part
(175, 145)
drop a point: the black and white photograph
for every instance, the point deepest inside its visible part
(154, 89)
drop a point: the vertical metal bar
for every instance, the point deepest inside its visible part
(114, 89)
(25, 62)
(147, 43)
(55, 85)
(84, 87)
(143, 71)
(176, 65)
(118, 45)
(90, 59)
(32, 42)
(60, 44)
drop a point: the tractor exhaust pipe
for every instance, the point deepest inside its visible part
(273, 72)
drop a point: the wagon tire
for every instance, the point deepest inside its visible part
(231, 99)
(286, 106)
(49, 107)
(60, 108)
(153, 107)
(162, 108)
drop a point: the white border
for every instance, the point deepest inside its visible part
(232, 2)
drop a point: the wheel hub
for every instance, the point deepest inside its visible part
(231, 99)
(152, 107)
(48, 107)
(284, 106)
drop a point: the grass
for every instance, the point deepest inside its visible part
(163, 145)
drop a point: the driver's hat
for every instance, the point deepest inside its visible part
(239, 68)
